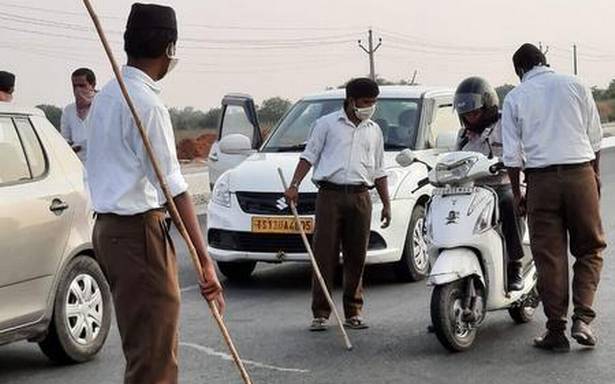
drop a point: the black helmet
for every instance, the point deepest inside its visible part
(476, 93)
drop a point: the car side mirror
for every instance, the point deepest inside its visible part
(405, 158)
(447, 141)
(235, 144)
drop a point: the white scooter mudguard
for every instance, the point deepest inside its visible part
(455, 264)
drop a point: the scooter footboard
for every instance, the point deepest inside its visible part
(454, 264)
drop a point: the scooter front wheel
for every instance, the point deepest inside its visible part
(447, 303)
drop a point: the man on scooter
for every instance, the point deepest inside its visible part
(477, 104)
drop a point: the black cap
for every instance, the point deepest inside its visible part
(151, 16)
(362, 87)
(528, 56)
(7, 81)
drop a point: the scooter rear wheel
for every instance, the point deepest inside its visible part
(446, 311)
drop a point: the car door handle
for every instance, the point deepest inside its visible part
(213, 157)
(58, 206)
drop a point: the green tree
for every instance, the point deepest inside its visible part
(273, 109)
(53, 114)
(502, 91)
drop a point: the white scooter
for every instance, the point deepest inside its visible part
(463, 232)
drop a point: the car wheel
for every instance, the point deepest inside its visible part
(414, 263)
(237, 270)
(81, 314)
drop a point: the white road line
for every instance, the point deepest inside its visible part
(189, 288)
(228, 357)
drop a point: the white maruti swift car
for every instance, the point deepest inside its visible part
(248, 218)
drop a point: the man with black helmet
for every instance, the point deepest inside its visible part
(131, 239)
(346, 149)
(551, 129)
(7, 86)
(477, 104)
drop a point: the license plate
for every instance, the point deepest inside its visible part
(281, 224)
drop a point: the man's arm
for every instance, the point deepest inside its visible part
(65, 129)
(292, 192)
(211, 289)
(382, 187)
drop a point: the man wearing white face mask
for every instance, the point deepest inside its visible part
(346, 149)
(131, 239)
(74, 115)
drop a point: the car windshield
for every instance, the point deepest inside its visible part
(398, 119)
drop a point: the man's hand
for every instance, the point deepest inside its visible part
(385, 216)
(292, 195)
(211, 288)
(521, 204)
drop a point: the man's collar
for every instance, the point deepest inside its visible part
(536, 71)
(137, 74)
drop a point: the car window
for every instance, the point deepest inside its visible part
(34, 151)
(236, 122)
(397, 118)
(445, 120)
(13, 163)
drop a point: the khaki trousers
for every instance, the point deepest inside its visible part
(563, 206)
(342, 219)
(138, 258)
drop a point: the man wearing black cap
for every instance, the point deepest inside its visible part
(346, 149)
(7, 86)
(131, 239)
(551, 128)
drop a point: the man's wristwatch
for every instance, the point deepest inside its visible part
(294, 184)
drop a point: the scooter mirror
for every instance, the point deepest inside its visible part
(405, 158)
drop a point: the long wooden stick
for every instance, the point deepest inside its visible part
(319, 277)
(167, 193)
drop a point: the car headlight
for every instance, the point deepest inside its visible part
(393, 179)
(484, 219)
(449, 173)
(221, 194)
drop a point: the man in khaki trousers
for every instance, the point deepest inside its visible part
(551, 128)
(131, 239)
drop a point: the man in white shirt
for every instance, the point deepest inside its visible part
(346, 149)
(72, 124)
(551, 129)
(131, 239)
(7, 86)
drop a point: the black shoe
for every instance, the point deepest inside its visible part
(583, 334)
(515, 276)
(555, 341)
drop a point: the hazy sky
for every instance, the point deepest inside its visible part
(290, 48)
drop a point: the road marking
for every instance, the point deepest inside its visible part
(225, 356)
(189, 288)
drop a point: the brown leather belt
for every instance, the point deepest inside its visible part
(348, 188)
(557, 168)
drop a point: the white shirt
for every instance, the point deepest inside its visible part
(549, 119)
(488, 143)
(73, 129)
(120, 175)
(343, 153)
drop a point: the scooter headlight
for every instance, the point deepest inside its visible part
(449, 173)
(484, 219)
(221, 194)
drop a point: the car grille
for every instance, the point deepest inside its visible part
(270, 203)
(269, 242)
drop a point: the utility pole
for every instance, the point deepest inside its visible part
(574, 59)
(370, 52)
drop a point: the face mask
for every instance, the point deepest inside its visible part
(84, 96)
(173, 60)
(364, 113)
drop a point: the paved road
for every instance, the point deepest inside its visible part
(269, 315)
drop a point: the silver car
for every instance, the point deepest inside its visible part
(52, 290)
